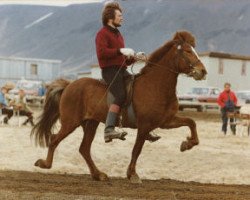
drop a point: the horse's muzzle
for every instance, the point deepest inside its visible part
(199, 74)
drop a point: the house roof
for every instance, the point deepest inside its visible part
(225, 55)
(31, 59)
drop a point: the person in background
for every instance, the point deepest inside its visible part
(4, 105)
(20, 104)
(113, 59)
(227, 101)
(42, 89)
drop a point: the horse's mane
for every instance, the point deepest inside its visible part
(179, 38)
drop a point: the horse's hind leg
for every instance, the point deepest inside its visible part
(55, 140)
(89, 128)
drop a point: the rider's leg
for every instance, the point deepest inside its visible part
(113, 76)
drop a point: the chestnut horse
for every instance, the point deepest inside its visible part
(154, 101)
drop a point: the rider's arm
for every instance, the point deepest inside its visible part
(102, 49)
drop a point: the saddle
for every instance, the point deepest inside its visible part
(128, 118)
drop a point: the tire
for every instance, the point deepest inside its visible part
(200, 109)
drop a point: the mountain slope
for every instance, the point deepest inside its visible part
(68, 33)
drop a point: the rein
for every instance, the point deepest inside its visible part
(155, 64)
(180, 54)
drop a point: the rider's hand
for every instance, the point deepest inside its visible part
(128, 52)
(140, 53)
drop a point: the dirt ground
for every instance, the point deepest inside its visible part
(28, 185)
(17, 184)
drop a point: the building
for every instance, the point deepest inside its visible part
(221, 68)
(13, 69)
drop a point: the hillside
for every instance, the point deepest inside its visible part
(68, 33)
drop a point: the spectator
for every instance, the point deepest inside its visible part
(20, 103)
(4, 105)
(42, 89)
(227, 100)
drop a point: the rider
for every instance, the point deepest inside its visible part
(113, 59)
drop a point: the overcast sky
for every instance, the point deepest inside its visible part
(47, 2)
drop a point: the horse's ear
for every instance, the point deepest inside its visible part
(184, 36)
(177, 37)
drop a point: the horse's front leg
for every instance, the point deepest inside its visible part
(177, 122)
(131, 172)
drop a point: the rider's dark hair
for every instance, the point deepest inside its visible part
(109, 12)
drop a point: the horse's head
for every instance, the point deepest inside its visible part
(187, 60)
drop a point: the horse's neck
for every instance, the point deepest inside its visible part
(162, 82)
(163, 78)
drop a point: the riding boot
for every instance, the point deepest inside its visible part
(109, 131)
(152, 137)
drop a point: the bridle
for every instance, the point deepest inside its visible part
(181, 54)
(186, 59)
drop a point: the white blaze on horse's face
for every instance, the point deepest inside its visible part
(195, 52)
(197, 72)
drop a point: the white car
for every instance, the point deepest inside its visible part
(243, 97)
(198, 96)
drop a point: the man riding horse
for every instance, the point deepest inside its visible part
(113, 59)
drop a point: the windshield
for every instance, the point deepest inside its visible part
(199, 91)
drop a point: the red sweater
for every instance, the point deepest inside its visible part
(223, 97)
(108, 42)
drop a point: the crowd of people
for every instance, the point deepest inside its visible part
(10, 105)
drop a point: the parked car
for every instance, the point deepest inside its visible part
(243, 97)
(30, 87)
(197, 96)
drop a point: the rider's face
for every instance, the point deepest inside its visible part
(117, 21)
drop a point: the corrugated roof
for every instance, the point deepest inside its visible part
(225, 55)
(31, 59)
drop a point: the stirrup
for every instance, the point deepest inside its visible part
(109, 136)
(152, 137)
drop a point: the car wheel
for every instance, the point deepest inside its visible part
(200, 109)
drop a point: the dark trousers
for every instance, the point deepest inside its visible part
(25, 113)
(225, 121)
(117, 81)
(8, 112)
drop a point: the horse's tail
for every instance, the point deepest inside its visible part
(44, 127)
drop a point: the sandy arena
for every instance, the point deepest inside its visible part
(216, 169)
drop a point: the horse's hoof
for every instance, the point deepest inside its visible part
(103, 177)
(100, 177)
(184, 146)
(42, 164)
(135, 179)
